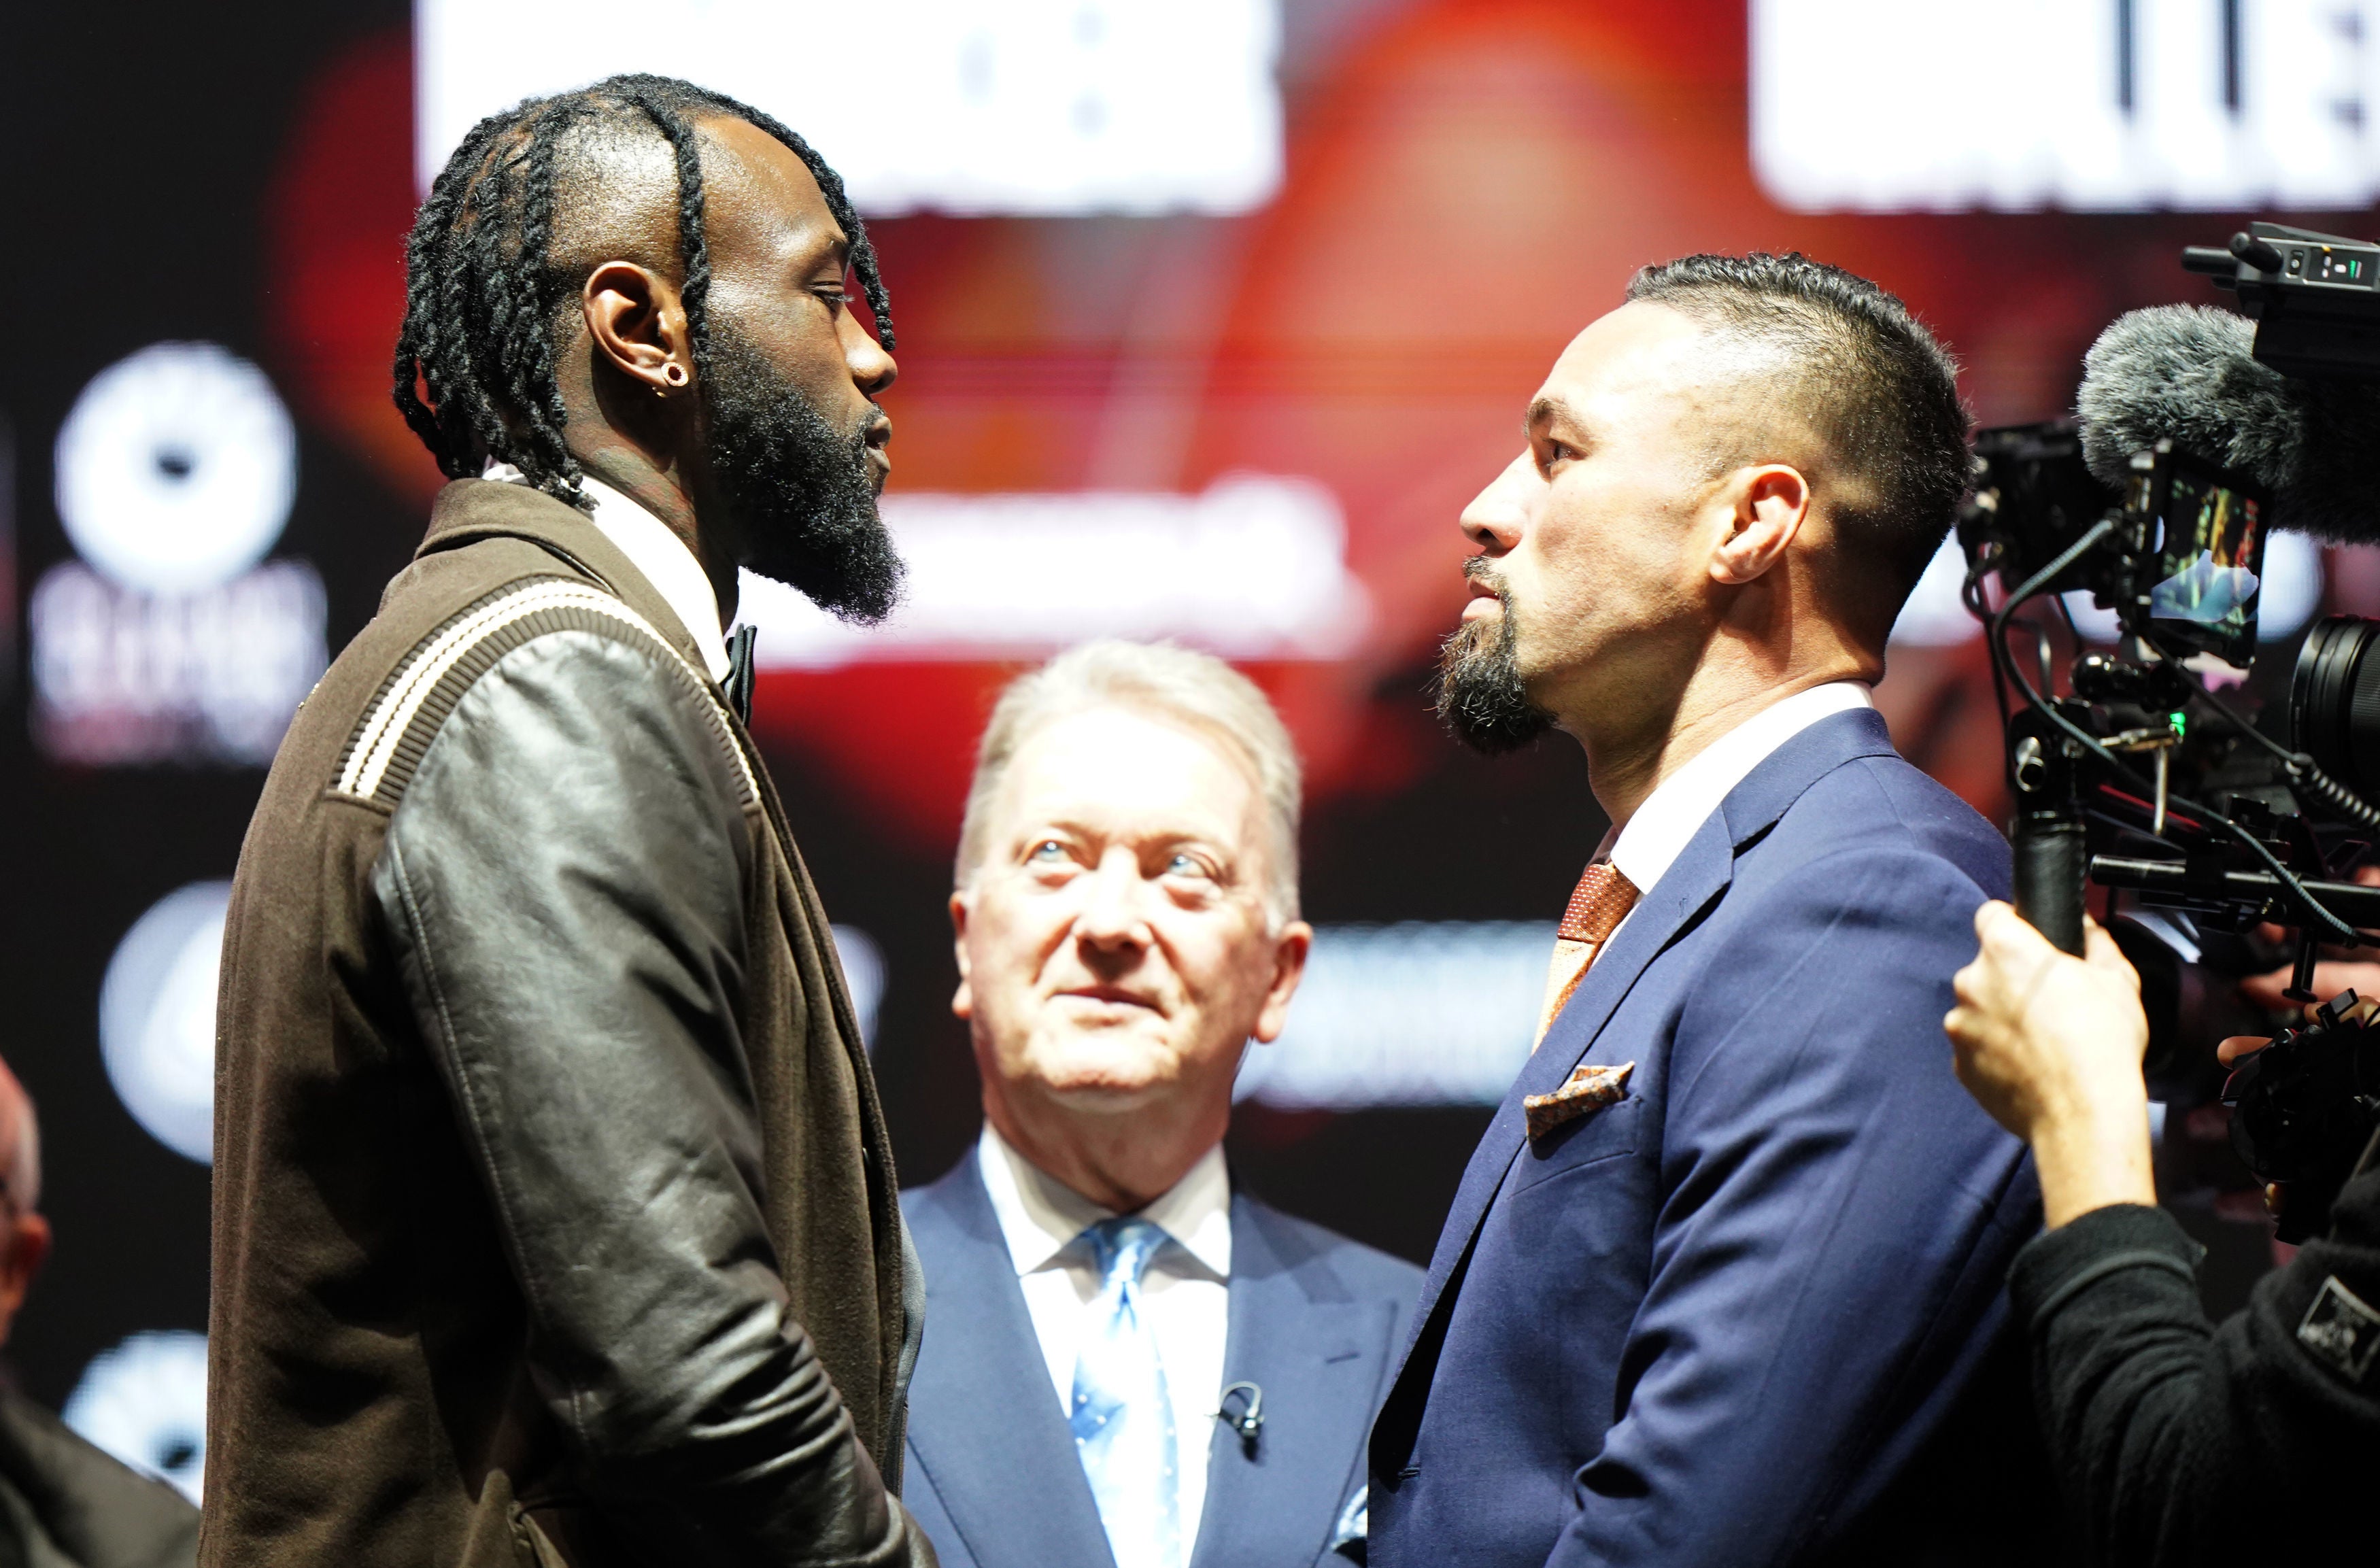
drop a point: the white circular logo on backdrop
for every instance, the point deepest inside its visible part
(177, 467)
(157, 1018)
(145, 1402)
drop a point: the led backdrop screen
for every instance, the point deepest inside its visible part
(1213, 315)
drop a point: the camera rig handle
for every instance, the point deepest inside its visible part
(2051, 853)
(2244, 897)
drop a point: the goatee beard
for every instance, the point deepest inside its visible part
(1481, 698)
(804, 492)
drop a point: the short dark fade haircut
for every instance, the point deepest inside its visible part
(1875, 385)
(475, 358)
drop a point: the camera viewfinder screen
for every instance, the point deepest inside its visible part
(2213, 559)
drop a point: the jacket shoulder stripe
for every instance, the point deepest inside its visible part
(405, 716)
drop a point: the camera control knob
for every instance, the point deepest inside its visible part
(2032, 765)
(2257, 253)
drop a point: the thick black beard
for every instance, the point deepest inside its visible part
(804, 492)
(1480, 697)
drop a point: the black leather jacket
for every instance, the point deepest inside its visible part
(554, 1213)
(564, 880)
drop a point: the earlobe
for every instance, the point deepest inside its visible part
(1770, 505)
(963, 999)
(1290, 953)
(636, 326)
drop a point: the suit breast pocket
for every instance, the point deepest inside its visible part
(1607, 1134)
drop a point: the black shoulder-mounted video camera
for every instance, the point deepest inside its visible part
(2303, 1107)
(2141, 778)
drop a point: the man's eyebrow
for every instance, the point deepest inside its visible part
(1544, 409)
(838, 255)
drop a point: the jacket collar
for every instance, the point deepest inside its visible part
(984, 1427)
(1668, 908)
(1317, 1352)
(989, 1438)
(469, 511)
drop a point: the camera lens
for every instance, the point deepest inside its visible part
(2334, 701)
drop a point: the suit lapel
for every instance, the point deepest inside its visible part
(984, 1422)
(1318, 1354)
(1699, 874)
(1693, 883)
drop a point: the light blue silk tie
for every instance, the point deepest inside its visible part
(1122, 1416)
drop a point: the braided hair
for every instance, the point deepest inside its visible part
(475, 358)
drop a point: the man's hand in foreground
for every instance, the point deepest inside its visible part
(2050, 1045)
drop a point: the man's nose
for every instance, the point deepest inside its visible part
(872, 370)
(1112, 917)
(1497, 515)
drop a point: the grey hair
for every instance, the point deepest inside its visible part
(1172, 682)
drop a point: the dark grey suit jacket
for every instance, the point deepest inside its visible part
(63, 1500)
(992, 1475)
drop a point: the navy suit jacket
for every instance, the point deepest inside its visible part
(1717, 1322)
(1314, 1321)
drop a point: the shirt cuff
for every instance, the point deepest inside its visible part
(2059, 1265)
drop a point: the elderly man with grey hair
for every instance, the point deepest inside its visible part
(1131, 1364)
(64, 1503)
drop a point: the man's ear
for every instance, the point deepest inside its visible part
(1769, 504)
(1290, 951)
(963, 1002)
(638, 322)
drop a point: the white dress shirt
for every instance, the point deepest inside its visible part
(660, 555)
(1187, 1289)
(1681, 804)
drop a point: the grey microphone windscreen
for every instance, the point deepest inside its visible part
(2189, 372)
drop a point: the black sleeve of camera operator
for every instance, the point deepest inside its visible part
(2181, 1441)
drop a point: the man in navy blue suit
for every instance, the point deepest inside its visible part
(1721, 1285)
(1130, 1364)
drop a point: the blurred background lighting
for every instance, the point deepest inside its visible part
(1255, 568)
(863, 975)
(145, 1402)
(2109, 105)
(124, 677)
(1421, 1013)
(175, 468)
(1934, 616)
(157, 1018)
(2293, 587)
(176, 471)
(1045, 107)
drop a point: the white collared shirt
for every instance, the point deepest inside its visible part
(659, 554)
(1681, 804)
(1186, 1290)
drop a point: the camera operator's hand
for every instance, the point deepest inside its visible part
(2340, 968)
(2362, 978)
(2050, 1045)
(2331, 975)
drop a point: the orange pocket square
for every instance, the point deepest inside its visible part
(1589, 1089)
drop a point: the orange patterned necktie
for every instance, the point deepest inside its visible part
(1604, 897)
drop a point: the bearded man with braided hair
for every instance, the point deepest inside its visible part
(556, 1220)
